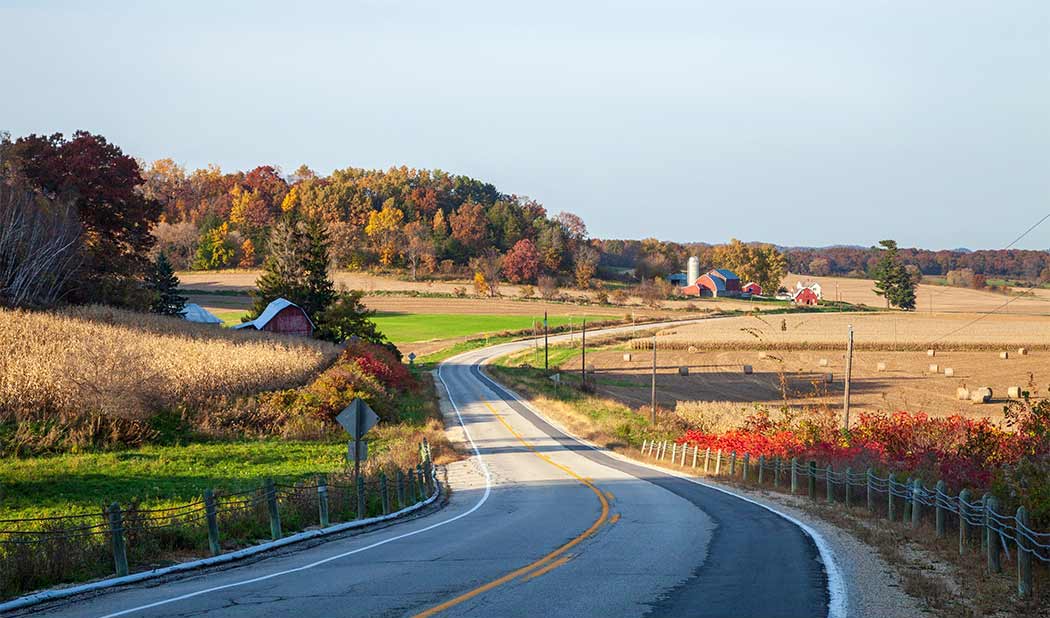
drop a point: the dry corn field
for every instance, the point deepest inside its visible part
(122, 364)
(872, 331)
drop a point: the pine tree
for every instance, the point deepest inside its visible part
(319, 291)
(892, 280)
(284, 270)
(164, 285)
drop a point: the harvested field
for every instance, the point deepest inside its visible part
(944, 299)
(872, 331)
(796, 379)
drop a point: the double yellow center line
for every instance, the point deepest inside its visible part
(552, 560)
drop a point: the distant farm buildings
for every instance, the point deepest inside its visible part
(716, 283)
(284, 317)
(679, 280)
(806, 294)
(195, 313)
(753, 289)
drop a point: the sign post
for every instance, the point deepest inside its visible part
(357, 418)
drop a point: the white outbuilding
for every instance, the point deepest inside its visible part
(195, 313)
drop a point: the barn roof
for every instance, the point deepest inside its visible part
(195, 313)
(726, 273)
(271, 312)
(719, 283)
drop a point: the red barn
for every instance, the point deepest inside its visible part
(284, 317)
(806, 296)
(753, 289)
(716, 283)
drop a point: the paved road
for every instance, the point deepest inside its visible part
(538, 525)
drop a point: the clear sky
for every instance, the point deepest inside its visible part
(799, 123)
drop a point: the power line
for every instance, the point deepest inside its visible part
(1035, 225)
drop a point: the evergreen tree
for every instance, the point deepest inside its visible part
(318, 289)
(284, 272)
(892, 280)
(164, 286)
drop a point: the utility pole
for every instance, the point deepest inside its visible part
(546, 356)
(583, 354)
(849, 374)
(652, 411)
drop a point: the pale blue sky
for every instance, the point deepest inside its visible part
(800, 123)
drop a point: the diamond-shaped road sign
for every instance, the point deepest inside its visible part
(357, 418)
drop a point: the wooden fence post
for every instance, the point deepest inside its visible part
(847, 497)
(907, 501)
(423, 495)
(916, 504)
(644, 442)
(322, 501)
(812, 480)
(984, 522)
(213, 522)
(776, 473)
(761, 468)
(385, 493)
(685, 448)
(360, 497)
(410, 486)
(938, 499)
(271, 508)
(747, 466)
(399, 482)
(116, 532)
(794, 475)
(732, 464)
(1024, 558)
(718, 463)
(707, 459)
(829, 484)
(696, 453)
(964, 526)
(891, 504)
(674, 451)
(992, 530)
(871, 490)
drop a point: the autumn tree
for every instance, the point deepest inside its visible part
(551, 245)
(522, 262)
(762, 264)
(384, 228)
(470, 226)
(585, 265)
(418, 245)
(247, 254)
(489, 265)
(102, 184)
(215, 250)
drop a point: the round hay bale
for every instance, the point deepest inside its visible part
(823, 362)
(683, 371)
(1004, 355)
(748, 370)
(981, 395)
(761, 354)
(590, 368)
(1022, 351)
(962, 393)
(693, 349)
(931, 352)
(880, 367)
(934, 368)
(1013, 392)
(949, 372)
(829, 378)
(627, 357)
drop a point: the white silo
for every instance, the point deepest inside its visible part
(693, 270)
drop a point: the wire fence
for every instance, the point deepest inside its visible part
(115, 540)
(978, 520)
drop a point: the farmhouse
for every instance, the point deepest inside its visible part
(753, 289)
(678, 279)
(716, 283)
(282, 316)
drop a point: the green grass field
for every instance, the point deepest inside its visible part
(157, 475)
(415, 327)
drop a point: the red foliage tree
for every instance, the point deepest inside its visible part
(522, 262)
(470, 225)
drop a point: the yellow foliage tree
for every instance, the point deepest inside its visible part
(481, 287)
(384, 229)
(247, 254)
(291, 200)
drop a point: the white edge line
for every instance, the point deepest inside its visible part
(51, 595)
(837, 596)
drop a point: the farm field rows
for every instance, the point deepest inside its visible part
(790, 367)
(942, 298)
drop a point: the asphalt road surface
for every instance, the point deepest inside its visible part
(538, 524)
